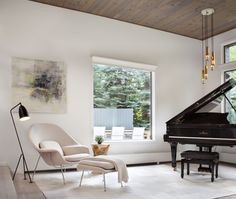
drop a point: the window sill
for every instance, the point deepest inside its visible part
(230, 64)
(128, 141)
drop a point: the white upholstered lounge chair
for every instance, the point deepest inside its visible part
(56, 147)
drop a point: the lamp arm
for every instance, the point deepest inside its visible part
(14, 107)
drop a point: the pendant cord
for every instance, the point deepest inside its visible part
(212, 33)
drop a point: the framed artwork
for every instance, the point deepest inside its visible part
(39, 84)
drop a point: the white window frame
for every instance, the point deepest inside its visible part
(223, 53)
(129, 64)
(233, 43)
(225, 66)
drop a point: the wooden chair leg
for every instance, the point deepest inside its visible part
(182, 168)
(188, 168)
(217, 164)
(212, 171)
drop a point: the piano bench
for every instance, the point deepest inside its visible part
(200, 157)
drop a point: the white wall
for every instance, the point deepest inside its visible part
(214, 79)
(33, 30)
(228, 154)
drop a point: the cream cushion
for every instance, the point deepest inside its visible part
(69, 150)
(74, 149)
(48, 144)
(100, 164)
(75, 157)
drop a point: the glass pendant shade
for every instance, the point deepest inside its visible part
(206, 72)
(207, 54)
(213, 62)
(203, 75)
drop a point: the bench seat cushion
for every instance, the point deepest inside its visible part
(203, 155)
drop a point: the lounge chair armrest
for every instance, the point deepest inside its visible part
(75, 149)
(52, 157)
(45, 150)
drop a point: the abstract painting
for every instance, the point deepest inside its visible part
(40, 85)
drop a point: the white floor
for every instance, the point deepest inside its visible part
(7, 189)
(145, 182)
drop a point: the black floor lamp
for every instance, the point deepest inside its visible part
(23, 115)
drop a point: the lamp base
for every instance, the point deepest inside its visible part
(25, 167)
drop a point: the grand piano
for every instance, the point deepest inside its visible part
(197, 125)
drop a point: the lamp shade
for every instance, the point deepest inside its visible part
(23, 113)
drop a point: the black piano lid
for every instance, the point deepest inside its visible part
(204, 101)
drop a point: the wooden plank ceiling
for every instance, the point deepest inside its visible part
(181, 17)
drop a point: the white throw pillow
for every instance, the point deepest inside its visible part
(48, 144)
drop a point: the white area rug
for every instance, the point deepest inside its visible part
(145, 182)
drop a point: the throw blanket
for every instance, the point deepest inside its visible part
(119, 165)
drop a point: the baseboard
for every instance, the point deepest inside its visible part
(228, 157)
(228, 163)
(143, 158)
(147, 159)
(74, 169)
(139, 159)
(52, 170)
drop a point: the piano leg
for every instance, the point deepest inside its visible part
(173, 146)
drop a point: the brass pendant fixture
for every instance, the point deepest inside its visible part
(208, 59)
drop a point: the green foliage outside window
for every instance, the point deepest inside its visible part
(117, 87)
(232, 53)
(231, 95)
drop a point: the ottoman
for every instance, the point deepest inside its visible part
(98, 165)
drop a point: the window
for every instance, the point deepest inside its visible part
(230, 53)
(231, 95)
(123, 98)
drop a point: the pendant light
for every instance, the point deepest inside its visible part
(208, 56)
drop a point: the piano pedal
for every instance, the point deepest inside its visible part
(204, 169)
